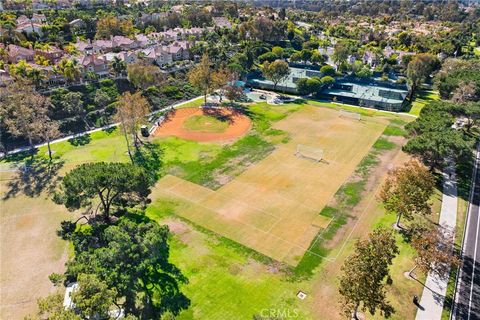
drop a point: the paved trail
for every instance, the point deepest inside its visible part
(435, 289)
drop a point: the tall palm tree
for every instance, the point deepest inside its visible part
(70, 69)
(118, 66)
(36, 76)
(20, 69)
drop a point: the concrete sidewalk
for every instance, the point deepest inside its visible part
(435, 289)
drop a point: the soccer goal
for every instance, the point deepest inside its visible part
(308, 152)
(349, 115)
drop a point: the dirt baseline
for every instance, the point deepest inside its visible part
(238, 124)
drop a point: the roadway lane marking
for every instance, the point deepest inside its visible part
(465, 239)
(474, 265)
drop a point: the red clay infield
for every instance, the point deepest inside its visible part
(239, 124)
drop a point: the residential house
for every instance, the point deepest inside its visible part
(87, 47)
(104, 45)
(388, 51)
(123, 43)
(38, 18)
(327, 52)
(222, 22)
(142, 40)
(95, 64)
(180, 50)
(127, 56)
(17, 53)
(115, 43)
(351, 59)
(159, 55)
(53, 54)
(22, 19)
(370, 58)
(28, 26)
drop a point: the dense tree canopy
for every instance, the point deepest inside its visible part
(111, 186)
(133, 260)
(407, 190)
(276, 71)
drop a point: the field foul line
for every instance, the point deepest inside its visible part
(372, 197)
(253, 227)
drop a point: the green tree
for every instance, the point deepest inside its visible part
(118, 66)
(51, 307)
(340, 52)
(110, 187)
(433, 147)
(24, 113)
(143, 75)
(201, 76)
(278, 51)
(132, 110)
(407, 190)
(419, 69)
(93, 297)
(70, 69)
(267, 56)
(362, 284)
(327, 70)
(133, 258)
(435, 251)
(317, 58)
(456, 72)
(327, 81)
(276, 71)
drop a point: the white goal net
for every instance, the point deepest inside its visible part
(349, 115)
(309, 152)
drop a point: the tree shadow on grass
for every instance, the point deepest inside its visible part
(149, 157)
(219, 114)
(37, 176)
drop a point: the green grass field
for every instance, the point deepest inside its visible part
(205, 124)
(422, 98)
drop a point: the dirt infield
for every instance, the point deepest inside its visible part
(273, 207)
(174, 125)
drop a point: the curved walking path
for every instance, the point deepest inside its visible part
(435, 289)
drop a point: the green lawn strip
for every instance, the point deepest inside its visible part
(105, 145)
(191, 104)
(384, 144)
(421, 99)
(347, 197)
(394, 130)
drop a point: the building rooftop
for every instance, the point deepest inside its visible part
(370, 92)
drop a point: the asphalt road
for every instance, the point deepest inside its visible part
(467, 295)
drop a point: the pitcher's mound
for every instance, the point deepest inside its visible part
(204, 124)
